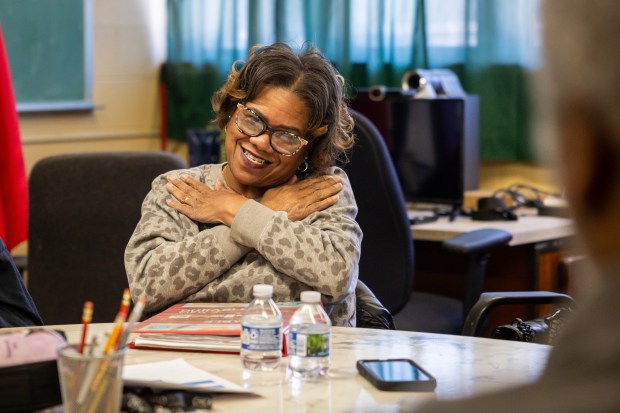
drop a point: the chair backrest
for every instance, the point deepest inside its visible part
(386, 263)
(83, 209)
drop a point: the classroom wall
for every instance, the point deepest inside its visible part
(497, 175)
(129, 44)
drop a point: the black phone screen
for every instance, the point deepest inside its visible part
(395, 370)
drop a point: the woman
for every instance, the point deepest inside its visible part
(278, 212)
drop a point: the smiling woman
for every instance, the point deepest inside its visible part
(278, 212)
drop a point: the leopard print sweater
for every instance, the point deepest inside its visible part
(171, 258)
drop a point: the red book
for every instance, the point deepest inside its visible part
(200, 327)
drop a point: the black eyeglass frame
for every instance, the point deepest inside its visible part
(302, 142)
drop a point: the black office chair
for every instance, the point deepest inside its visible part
(83, 209)
(387, 257)
(369, 311)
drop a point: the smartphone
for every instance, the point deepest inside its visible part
(396, 375)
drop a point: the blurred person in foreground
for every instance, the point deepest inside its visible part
(581, 78)
(16, 306)
(277, 212)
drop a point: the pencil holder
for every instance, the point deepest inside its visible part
(90, 383)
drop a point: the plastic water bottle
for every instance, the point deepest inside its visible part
(261, 332)
(309, 338)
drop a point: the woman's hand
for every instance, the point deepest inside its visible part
(301, 198)
(201, 203)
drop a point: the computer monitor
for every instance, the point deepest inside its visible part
(428, 151)
(433, 143)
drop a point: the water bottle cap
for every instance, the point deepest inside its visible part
(311, 297)
(263, 290)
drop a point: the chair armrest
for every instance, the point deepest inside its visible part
(475, 247)
(477, 241)
(370, 313)
(488, 301)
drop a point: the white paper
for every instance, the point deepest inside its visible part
(177, 374)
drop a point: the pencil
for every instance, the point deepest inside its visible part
(88, 379)
(87, 316)
(125, 302)
(110, 345)
(136, 313)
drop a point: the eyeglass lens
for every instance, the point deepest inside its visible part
(251, 124)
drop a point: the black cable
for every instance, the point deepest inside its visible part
(538, 191)
(519, 198)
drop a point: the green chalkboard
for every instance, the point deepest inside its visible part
(49, 47)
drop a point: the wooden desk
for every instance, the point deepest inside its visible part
(529, 262)
(463, 366)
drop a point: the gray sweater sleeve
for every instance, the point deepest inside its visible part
(321, 251)
(169, 256)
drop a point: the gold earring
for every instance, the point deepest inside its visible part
(304, 166)
(226, 126)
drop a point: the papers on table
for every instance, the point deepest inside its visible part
(177, 374)
(201, 342)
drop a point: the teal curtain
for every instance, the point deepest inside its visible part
(493, 46)
(490, 44)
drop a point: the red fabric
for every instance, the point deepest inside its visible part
(13, 182)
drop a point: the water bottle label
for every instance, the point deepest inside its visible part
(261, 338)
(310, 345)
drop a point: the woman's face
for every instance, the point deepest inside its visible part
(253, 164)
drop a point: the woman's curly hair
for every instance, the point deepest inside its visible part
(311, 77)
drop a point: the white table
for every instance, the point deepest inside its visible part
(463, 366)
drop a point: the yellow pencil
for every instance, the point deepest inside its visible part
(110, 345)
(112, 342)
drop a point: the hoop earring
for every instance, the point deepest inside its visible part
(304, 166)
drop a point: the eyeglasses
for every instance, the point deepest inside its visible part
(251, 124)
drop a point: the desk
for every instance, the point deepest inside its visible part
(528, 263)
(526, 230)
(463, 366)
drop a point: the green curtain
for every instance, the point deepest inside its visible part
(490, 44)
(494, 52)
